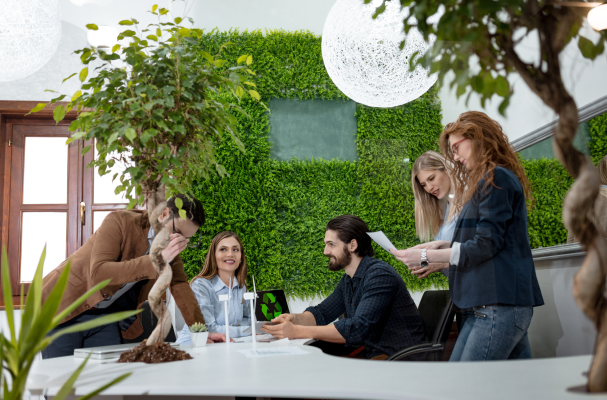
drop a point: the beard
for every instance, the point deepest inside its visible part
(342, 262)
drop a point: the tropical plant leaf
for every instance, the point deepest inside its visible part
(8, 296)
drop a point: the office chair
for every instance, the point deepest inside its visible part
(437, 312)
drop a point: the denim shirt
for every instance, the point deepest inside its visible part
(207, 293)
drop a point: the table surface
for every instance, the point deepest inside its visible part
(221, 370)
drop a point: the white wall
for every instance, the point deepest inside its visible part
(289, 15)
(586, 80)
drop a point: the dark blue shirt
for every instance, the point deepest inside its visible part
(381, 314)
(495, 264)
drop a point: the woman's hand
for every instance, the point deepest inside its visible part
(215, 337)
(436, 245)
(410, 257)
(423, 272)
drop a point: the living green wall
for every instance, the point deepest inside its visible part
(550, 181)
(281, 208)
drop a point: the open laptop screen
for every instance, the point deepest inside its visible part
(270, 304)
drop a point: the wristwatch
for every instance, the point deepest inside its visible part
(424, 261)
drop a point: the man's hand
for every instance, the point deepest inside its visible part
(284, 330)
(215, 337)
(284, 318)
(177, 244)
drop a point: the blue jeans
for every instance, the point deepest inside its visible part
(493, 332)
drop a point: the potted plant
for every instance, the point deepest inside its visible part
(20, 346)
(199, 334)
(159, 105)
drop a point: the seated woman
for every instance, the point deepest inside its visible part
(491, 272)
(435, 206)
(225, 261)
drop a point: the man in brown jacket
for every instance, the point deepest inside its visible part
(118, 250)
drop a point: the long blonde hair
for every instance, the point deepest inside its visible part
(429, 210)
(210, 268)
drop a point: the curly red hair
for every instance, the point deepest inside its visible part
(490, 148)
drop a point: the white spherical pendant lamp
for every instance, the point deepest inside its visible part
(363, 56)
(597, 17)
(30, 31)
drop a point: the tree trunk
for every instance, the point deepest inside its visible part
(578, 209)
(156, 203)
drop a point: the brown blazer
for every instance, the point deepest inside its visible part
(116, 251)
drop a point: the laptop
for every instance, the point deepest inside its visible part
(270, 304)
(106, 352)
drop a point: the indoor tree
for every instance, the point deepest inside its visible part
(487, 32)
(157, 105)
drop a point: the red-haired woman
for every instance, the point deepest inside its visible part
(224, 266)
(491, 273)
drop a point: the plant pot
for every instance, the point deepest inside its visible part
(199, 339)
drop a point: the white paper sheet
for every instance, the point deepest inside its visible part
(273, 352)
(381, 239)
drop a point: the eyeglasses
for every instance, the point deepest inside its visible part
(455, 146)
(192, 246)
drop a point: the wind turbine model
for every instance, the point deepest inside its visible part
(226, 298)
(252, 297)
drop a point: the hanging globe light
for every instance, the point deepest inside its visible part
(363, 57)
(29, 36)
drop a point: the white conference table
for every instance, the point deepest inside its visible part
(218, 370)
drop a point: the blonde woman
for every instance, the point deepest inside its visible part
(224, 266)
(435, 216)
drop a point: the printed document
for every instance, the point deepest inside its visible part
(381, 239)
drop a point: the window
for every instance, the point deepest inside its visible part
(50, 197)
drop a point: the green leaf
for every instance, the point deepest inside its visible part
(125, 22)
(249, 60)
(115, 48)
(8, 296)
(130, 134)
(68, 385)
(58, 113)
(183, 215)
(250, 84)
(83, 74)
(242, 59)
(92, 27)
(502, 87)
(39, 107)
(76, 95)
(154, 7)
(178, 20)
(178, 203)
(69, 309)
(104, 387)
(69, 77)
(254, 95)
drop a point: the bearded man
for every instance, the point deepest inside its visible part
(380, 315)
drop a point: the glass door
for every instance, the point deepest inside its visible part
(43, 203)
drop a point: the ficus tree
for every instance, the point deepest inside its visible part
(486, 33)
(157, 105)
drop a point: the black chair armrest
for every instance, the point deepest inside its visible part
(419, 348)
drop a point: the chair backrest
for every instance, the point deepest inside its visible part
(437, 312)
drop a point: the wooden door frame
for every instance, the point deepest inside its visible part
(16, 110)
